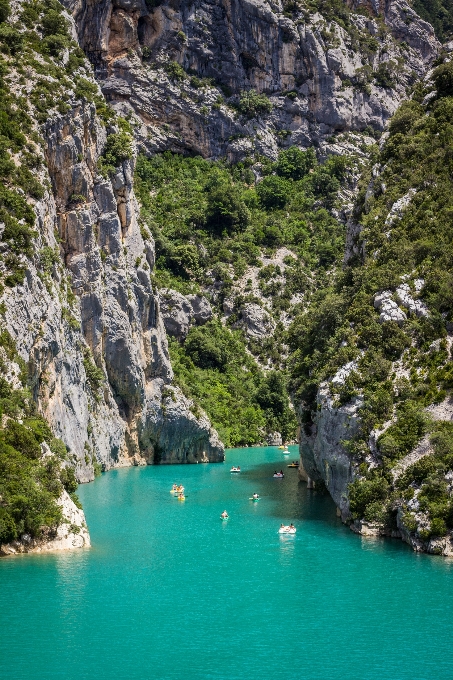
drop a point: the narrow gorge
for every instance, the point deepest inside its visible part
(221, 225)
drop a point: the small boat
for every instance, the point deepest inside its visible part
(177, 489)
(287, 530)
(224, 519)
(278, 475)
(281, 447)
(286, 452)
(235, 469)
(293, 465)
(255, 499)
(181, 497)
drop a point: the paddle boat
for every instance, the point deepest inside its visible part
(224, 516)
(235, 469)
(255, 497)
(181, 497)
(278, 475)
(286, 451)
(177, 489)
(293, 464)
(291, 529)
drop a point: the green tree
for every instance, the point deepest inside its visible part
(293, 163)
(273, 192)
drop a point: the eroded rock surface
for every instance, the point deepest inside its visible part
(179, 311)
(243, 45)
(92, 332)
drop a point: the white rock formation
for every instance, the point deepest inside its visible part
(404, 296)
(256, 322)
(70, 535)
(389, 310)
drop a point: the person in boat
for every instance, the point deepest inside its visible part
(291, 526)
(281, 472)
(282, 526)
(224, 514)
(238, 468)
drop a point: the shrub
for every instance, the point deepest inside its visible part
(118, 148)
(5, 10)
(438, 527)
(175, 71)
(54, 23)
(443, 79)
(402, 436)
(11, 39)
(364, 493)
(22, 439)
(293, 163)
(273, 192)
(210, 346)
(253, 104)
(95, 375)
(226, 209)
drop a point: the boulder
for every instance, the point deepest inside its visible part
(176, 312)
(201, 309)
(388, 308)
(256, 322)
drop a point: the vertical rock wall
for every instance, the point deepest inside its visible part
(327, 67)
(97, 315)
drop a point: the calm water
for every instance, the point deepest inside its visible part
(169, 591)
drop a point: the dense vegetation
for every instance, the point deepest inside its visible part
(344, 325)
(212, 223)
(30, 483)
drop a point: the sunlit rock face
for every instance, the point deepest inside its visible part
(98, 311)
(254, 44)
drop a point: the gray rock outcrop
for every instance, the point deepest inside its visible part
(92, 332)
(334, 85)
(389, 310)
(322, 453)
(201, 309)
(179, 311)
(255, 321)
(176, 312)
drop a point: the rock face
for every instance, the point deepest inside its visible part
(92, 332)
(256, 322)
(70, 535)
(241, 45)
(322, 454)
(179, 312)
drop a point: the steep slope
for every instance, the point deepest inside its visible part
(233, 79)
(373, 362)
(77, 305)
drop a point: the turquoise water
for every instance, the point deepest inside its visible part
(170, 591)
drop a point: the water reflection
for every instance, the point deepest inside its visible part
(287, 546)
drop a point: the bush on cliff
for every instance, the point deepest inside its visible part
(253, 104)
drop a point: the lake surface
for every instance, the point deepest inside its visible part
(170, 591)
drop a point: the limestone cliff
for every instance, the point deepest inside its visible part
(323, 74)
(85, 317)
